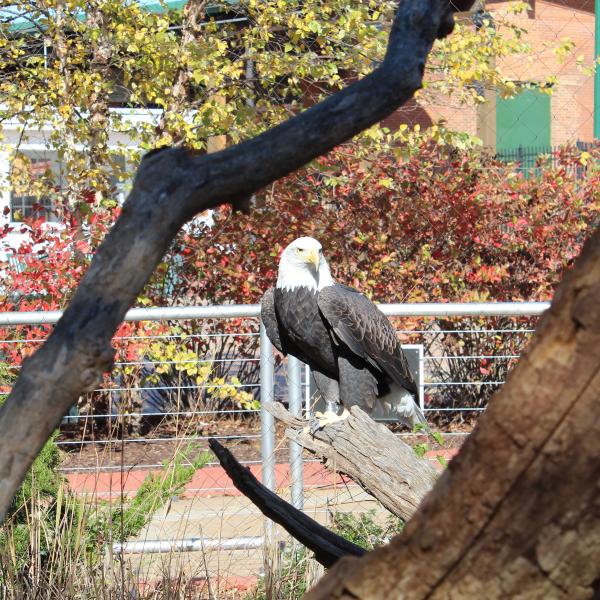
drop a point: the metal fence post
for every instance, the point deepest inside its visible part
(421, 382)
(307, 397)
(295, 406)
(267, 448)
(267, 422)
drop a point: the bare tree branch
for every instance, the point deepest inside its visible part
(368, 452)
(327, 546)
(171, 187)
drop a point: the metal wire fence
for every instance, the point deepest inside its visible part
(172, 390)
(532, 160)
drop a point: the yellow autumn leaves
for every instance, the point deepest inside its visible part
(172, 356)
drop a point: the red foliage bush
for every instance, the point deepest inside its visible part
(440, 225)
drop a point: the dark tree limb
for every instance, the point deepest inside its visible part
(171, 187)
(327, 546)
(370, 454)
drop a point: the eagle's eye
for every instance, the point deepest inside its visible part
(300, 250)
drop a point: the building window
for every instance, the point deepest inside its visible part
(34, 176)
(26, 207)
(37, 178)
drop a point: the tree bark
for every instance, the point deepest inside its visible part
(72, 191)
(370, 454)
(99, 113)
(517, 513)
(170, 188)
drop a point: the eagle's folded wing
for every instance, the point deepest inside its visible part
(366, 331)
(269, 319)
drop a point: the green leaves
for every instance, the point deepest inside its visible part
(427, 214)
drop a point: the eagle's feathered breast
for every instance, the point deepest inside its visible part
(302, 328)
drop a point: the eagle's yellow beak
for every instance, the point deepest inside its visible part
(312, 257)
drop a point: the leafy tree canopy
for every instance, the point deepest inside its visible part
(231, 70)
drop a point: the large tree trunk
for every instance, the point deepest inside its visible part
(517, 513)
(98, 101)
(193, 13)
(66, 125)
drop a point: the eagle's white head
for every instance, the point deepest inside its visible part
(302, 264)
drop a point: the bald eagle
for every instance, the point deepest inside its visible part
(349, 344)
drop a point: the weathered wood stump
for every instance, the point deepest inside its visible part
(370, 454)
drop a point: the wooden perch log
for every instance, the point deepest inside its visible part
(327, 546)
(170, 188)
(370, 454)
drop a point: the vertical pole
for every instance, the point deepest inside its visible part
(295, 406)
(267, 423)
(421, 382)
(267, 449)
(307, 391)
(597, 71)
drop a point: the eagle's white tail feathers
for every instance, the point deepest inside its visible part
(401, 403)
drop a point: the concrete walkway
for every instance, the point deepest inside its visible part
(229, 518)
(212, 509)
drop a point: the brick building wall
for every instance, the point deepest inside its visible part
(573, 96)
(572, 101)
(436, 108)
